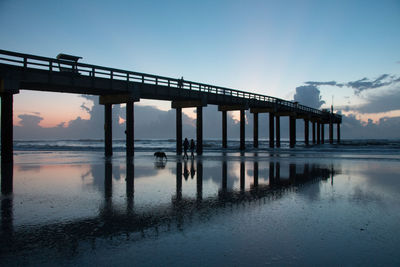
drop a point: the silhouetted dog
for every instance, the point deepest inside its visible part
(160, 155)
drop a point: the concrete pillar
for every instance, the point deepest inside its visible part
(292, 129)
(255, 129)
(242, 129)
(313, 132)
(130, 129)
(108, 129)
(6, 128)
(199, 132)
(306, 131)
(338, 133)
(7, 169)
(271, 130)
(318, 133)
(322, 133)
(330, 132)
(179, 131)
(278, 131)
(224, 130)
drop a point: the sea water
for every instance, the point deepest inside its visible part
(316, 205)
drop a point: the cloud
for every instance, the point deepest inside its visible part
(381, 103)
(331, 83)
(366, 84)
(308, 95)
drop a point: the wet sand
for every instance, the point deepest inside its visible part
(78, 208)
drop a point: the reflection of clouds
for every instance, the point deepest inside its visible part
(28, 168)
(365, 197)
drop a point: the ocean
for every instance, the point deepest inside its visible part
(64, 203)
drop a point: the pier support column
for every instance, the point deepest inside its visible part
(199, 132)
(322, 133)
(224, 129)
(178, 131)
(292, 129)
(242, 129)
(278, 131)
(272, 130)
(313, 132)
(318, 133)
(7, 128)
(330, 132)
(306, 131)
(255, 130)
(108, 130)
(338, 133)
(130, 150)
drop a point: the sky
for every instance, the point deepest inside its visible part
(345, 53)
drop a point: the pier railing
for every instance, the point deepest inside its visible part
(59, 65)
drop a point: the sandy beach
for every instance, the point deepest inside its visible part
(280, 208)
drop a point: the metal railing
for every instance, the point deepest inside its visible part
(58, 65)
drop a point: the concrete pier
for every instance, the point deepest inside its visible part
(271, 130)
(242, 129)
(224, 130)
(306, 131)
(292, 129)
(178, 131)
(278, 130)
(108, 130)
(129, 129)
(338, 132)
(255, 129)
(318, 133)
(313, 132)
(330, 132)
(199, 130)
(6, 128)
(322, 133)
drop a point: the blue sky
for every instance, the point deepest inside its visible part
(268, 47)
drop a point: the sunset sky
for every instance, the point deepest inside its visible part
(349, 50)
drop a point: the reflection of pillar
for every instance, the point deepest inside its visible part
(242, 176)
(292, 129)
(313, 132)
(178, 131)
(6, 128)
(306, 131)
(255, 129)
(7, 218)
(130, 183)
(178, 180)
(278, 172)
(278, 131)
(271, 173)
(242, 129)
(199, 132)
(6, 178)
(224, 130)
(272, 130)
(338, 132)
(199, 180)
(322, 133)
(318, 133)
(129, 129)
(108, 180)
(108, 129)
(255, 174)
(224, 176)
(292, 172)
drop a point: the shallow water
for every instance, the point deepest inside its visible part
(281, 208)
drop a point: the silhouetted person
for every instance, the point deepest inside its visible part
(192, 146)
(185, 148)
(180, 82)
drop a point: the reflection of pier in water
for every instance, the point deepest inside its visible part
(135, 225)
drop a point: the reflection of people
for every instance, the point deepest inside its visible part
(180, 82)
(185, 171)
(192, 145)
(185, 148)
(192, 170)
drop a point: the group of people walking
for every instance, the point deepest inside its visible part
(186, 147)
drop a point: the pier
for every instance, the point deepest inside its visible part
(115, 86)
